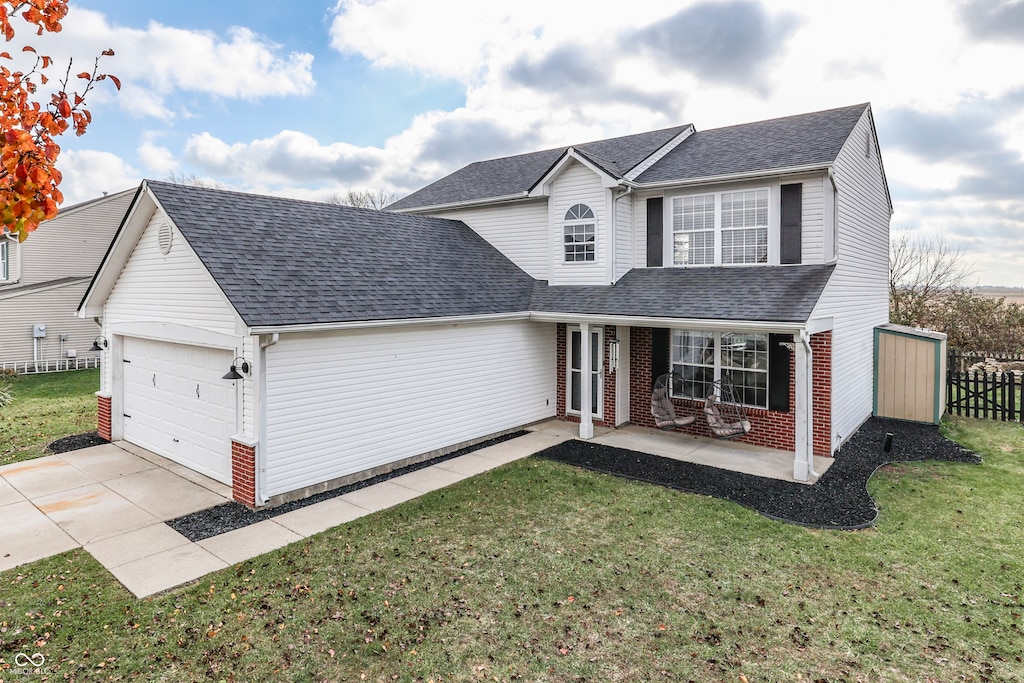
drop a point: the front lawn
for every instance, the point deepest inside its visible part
(45, 408)
(541, 572)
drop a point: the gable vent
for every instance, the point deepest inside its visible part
(164, 238)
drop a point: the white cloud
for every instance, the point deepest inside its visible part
(159, 61)
(157, 160)
(89, 174)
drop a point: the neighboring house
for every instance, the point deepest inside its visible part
(529, 287)
(43, 279)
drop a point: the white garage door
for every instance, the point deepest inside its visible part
(176, 403)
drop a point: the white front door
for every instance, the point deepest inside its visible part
(575, 374)
(177, 405)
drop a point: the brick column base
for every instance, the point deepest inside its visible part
(103, 416)
(243, 473)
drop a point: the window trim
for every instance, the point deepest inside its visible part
(580, 221)
(595, 373)
(717, 231)
(717, 365)
(5, 259)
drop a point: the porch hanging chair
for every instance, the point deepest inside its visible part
(661, 405)
(725, 414)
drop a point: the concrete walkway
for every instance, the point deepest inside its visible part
(113, 500)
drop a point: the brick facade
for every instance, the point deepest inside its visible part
(103, 416)
(243, 473)
(608, 403)
(769, 428)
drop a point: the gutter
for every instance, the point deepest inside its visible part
(396, 322)
(695, 323)
(464, 205)
(749, 175)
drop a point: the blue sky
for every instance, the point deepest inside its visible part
(310, 99)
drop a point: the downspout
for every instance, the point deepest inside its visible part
(260, 421)
(805, 340)
(614, 233)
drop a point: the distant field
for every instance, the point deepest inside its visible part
(1010, 294)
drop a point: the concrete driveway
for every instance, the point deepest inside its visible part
(87, 497)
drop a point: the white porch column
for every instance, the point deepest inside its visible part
(586, 416)
(803, 459)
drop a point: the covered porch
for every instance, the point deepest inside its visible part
(733, 456)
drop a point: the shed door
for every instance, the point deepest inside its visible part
(177, 405)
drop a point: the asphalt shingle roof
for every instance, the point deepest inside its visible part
(284, 261)
(805, 139)
(763, 293)
(517, 174)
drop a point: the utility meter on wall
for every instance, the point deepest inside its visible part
(38, 331)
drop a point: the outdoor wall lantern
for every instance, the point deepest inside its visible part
(613, 355)
(99, 344)
(238, 370)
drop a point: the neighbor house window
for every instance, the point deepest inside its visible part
(4, 269)
(723, 227)
(701, 358)
(579, 234)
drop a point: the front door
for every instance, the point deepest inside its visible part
(575, 376)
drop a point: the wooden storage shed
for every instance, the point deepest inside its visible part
(910, 373)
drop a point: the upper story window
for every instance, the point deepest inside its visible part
(720, 228)
(579, 234)
(4, 259)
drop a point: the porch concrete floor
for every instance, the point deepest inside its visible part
(727, 455)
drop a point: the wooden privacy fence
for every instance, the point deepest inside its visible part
(979, 385)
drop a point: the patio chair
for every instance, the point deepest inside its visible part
(662, 409)
(726, 417)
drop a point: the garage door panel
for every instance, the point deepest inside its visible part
(179, 406)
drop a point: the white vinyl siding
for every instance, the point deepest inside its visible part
(518, 230)
(346, 402)
(53, 307)
(857, 296)
(812, 248)
(173, 288)
(577, 184)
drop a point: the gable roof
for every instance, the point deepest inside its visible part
(288, 262)
(516, 175)
(740, 293)
(789, 142)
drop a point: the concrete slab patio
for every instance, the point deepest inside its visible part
(113, 500)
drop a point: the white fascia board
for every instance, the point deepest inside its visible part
(121, 248)
(434, 208)
(688, 323)
(395, 322)
(730, 177)
(543, 186)
(657, 155)
(816, 325)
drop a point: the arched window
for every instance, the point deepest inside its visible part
(579, 231)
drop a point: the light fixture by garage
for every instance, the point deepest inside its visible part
(99, 344)
(234, 373)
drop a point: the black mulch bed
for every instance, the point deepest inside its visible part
(76, 441)
(230, 516)
(838, 500)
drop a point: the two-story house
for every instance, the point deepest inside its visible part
(556, 283)
(43, 279)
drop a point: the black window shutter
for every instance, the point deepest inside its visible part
(655, 231)
(792, 223)
(660, 339)
(779, 359)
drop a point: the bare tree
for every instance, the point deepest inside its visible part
(193, 181)
(364, 199)
(923, 272)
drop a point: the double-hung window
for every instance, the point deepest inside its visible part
(4, 260)
(700, 358)
(720, 228)
(579, 230)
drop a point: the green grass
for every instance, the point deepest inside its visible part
(540, 572)
(46, 407)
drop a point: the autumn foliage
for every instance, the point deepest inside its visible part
(29, 178)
